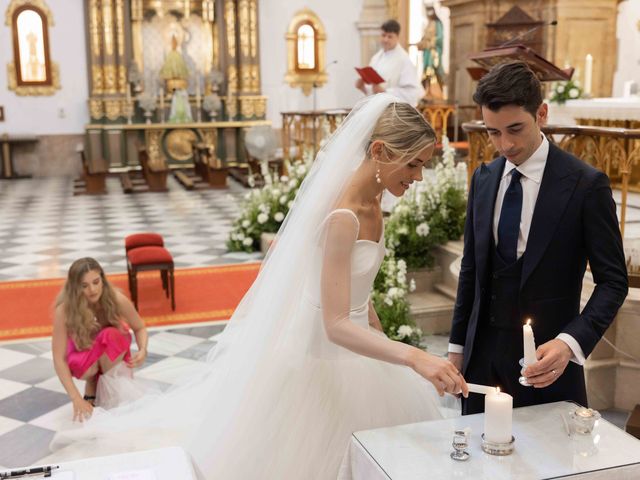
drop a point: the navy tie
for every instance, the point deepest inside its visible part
(509, 224)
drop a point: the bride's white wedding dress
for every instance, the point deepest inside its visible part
(296, 371)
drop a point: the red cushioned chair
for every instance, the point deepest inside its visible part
(151, 258)
(145, 239)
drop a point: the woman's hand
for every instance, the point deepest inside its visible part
(137, 359)
(441, 372)
(82, 410)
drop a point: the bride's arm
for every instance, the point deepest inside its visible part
(341, 234)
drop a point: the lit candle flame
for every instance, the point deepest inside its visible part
(529, 321)
(497, 389)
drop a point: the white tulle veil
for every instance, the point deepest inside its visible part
(263, 329)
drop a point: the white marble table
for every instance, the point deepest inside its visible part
(170, 463)
(615, 108)
(543, 450)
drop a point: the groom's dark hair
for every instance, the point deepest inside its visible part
(391, 26)
(511, 83)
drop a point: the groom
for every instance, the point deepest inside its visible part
(536, 215)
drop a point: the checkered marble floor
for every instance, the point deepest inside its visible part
(44, 228)
(33, 402)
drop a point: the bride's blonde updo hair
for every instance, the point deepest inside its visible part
(403, 131)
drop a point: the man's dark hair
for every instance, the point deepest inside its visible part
(509, 84)
(391, 26)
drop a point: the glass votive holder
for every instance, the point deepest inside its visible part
(584, 419)
(460, 444)
(498, 448)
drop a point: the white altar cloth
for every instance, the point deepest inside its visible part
(543, 450)
(614, 108)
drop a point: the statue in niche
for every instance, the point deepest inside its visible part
(175, 73)
(431, 44)
(180, 108)
(35, 68)
(174, 70)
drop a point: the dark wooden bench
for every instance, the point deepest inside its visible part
(93, 180)
(184, 179)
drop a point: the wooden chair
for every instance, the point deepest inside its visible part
(147, 258)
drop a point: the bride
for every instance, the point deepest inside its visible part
(302, 364)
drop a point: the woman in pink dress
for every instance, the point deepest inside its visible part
(91, 332)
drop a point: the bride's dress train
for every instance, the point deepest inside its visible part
(277, 399)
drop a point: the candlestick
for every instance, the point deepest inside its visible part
(588, 72)
(161, 105)
(529, 344)
(498, 413)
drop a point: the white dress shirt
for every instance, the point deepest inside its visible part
(532, 170)
(399, 73)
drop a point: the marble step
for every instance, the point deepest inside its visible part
(432, 311)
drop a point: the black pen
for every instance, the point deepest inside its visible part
(29, 471)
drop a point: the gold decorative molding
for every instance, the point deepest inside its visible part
(94, 27)
(253, 28)
(122, 78)
(153, 139)
(109, 78)
(209, 137)
(255, 78)
(34, 90)
(231, 104)
(232, 79)
(306, 79)
(243, 27)
(16, 4)
(179, 143)
(96, 108)
(393, 9)
(119, 22)
(97, 80)
(230, 20)
(107, 27)
(113, 108)
(247, 107)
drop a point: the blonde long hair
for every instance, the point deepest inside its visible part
(403, 131)
(79, 316)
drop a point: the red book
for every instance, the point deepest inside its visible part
(369, 75)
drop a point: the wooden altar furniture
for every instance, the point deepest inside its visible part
(155, 171)
(302, 131)
(208, 166)
(545, 70)
(6, 140)
(91, 181)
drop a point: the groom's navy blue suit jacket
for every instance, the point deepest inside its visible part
(574, 222)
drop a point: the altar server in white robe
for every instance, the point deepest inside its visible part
(393, 64)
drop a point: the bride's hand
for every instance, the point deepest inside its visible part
(441, 372)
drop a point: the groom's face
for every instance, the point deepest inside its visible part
(514, 132)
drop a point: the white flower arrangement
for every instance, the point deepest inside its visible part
(263, 210)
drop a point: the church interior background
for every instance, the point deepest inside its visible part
(123, 116)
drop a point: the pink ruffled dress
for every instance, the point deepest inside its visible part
(110, 340)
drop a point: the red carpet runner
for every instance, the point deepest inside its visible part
(202, 294)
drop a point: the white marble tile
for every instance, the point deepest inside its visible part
(171, 370)
(54, 385)
(57, 419)
(9, 387)
(8, 424)
(167, 343)
(9, 358)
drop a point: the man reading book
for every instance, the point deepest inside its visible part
(392, 63)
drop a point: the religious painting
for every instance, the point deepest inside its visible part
(32, 72)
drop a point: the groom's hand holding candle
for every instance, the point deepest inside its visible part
(554, 357)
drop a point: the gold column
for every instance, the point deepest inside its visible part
(108, 59)
(136, 33)
(252, 104)
(231, 101)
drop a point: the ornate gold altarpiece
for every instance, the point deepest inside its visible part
(229, 33)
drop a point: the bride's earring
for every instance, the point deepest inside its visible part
(378, 176)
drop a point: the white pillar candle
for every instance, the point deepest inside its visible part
(498, 414)
(588, 72)
(529, 344)
(162, 100)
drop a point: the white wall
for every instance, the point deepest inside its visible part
(66, 111)
(339, 18)
(628, 33)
